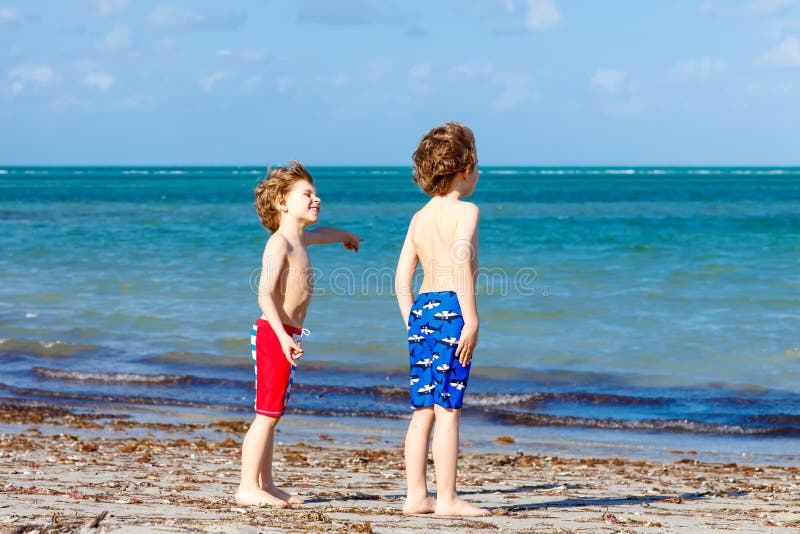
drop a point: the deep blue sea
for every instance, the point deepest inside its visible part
(664, 300)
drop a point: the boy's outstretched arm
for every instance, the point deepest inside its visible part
(465, 259)
(324, 235)
(404, 275)
(272, 264)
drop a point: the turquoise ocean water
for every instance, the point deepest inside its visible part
(638, 299)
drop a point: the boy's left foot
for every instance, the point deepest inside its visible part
(419, 506)
(284, 496)
(460, 508)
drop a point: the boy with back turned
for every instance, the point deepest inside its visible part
(442, 320)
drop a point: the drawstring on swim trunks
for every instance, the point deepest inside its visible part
(304, 332)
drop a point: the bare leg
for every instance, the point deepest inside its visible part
(266, 481)
(416, 454)
(445, 460)
(258, 439)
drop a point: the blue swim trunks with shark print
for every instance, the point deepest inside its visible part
(435, 325)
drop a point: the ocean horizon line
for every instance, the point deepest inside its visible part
(396, 166)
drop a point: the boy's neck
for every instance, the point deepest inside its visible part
(454, 194)
(292, 229)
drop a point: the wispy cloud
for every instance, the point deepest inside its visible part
(253, 55)
(473, 69)
(421, 71)
(253, 82)
(111, 8)
(518, 15)
(542, 15)
(516, 90)
(783, 27)
(754, 8)
(99, 80)
(208, 82)
(785, 54)
(620, 94)
(700, 69)
(24, 77)
(610, 82)
(14, 16)
(117, 39)
(355, 13)
(174, 18)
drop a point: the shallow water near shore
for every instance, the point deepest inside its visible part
(623, 302)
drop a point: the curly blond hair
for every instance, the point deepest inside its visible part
(274, 188)
(442, 153)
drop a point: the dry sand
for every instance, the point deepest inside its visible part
(63, 472)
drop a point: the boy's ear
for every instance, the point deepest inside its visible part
(280, 202)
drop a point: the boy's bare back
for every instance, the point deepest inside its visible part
(440, 233)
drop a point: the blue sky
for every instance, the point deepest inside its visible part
(541, 82)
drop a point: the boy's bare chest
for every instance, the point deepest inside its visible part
(298, 268)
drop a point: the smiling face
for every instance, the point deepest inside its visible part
(302, 203)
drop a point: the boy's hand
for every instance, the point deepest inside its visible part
(351, 241)
(466, 345)
(292, 349)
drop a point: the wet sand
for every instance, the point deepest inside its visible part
(63, 471)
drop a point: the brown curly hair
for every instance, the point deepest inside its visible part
(442, 153)
(273, 189)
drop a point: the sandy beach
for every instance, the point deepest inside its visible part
(64, 471)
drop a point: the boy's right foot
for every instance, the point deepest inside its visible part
(285, 495)
(425, 505)
(460, 508)
(259, 497)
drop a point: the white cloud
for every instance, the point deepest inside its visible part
(187, 19)
(110, 8)
(785, 54)
(99, 80)
(767, 89)
(253, 55)
(511, 98)
(620, 93)
(470, 70)
(624, 107)
(754, 8)
(515, 91)
(284, 84)
(211, 80)
(780, 28)
(165, 44)
(701, 68)
(517, 15)
(610, 82)
(420, 72)
(768, 7)
(253, 82)
(542, 15)
(336, 81)
(356, 13)
(117, 39)
(24, 76)
(137, 101)
(14, 16)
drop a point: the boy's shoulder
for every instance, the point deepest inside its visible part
(277, 243)
(466, 210)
